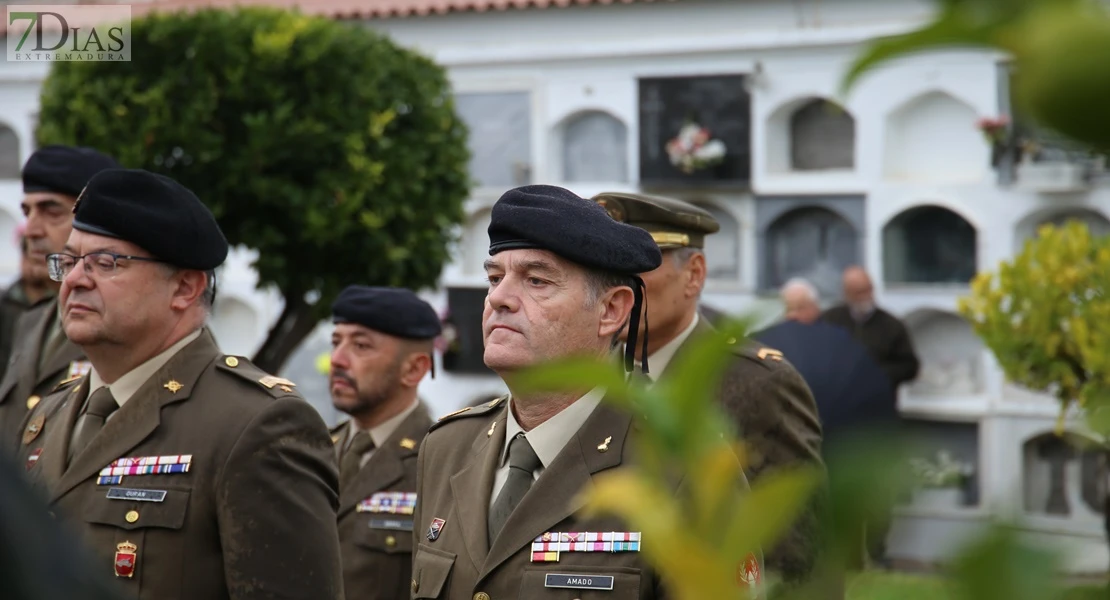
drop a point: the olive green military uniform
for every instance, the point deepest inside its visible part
(453, 558)
(13, 303)
(252, 515)
(41, 359)
(772, 407)
(375, 518)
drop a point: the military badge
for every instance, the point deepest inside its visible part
(435, 528)
(126, 557)
(548, 547)
(748, 573)
(34, 428)
(33, 458)
(394, 503)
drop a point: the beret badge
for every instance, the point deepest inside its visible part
(614, 210)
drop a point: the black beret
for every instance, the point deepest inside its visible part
(551, 218)
(63, 169)
(155, 213)
(671, 223)
(394, 311)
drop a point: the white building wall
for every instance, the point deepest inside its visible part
(915, 144)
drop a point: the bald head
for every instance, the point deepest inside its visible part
(801, 301)
(858, 291)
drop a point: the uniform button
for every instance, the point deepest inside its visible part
(231, 361)
(481, 596)
(132, 516)
(390, 541)
(415, 586)
(32, 402)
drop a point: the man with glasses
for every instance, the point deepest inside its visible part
(41, 356)
(191, 473)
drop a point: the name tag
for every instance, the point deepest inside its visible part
(395, 524)
(578, 582)
(118, 493)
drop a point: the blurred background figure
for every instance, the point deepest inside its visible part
(32, 286)
(39, 560)
(884, 335)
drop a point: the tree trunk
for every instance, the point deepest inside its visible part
(292, 327)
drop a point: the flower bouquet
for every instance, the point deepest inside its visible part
(693, 149)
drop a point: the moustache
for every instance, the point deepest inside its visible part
(343, 376)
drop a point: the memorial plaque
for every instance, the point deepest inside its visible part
(720, 104)
(465, 352)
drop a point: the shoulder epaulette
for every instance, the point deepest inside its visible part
(237, 365)
(758, 353)
(470, 411)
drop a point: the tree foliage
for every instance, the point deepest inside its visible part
(1061, 51)
(335, 153)
(1045, 315)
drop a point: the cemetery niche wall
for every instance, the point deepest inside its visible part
(10, 163)
(695, 131)
(811, 237)
(929, 245)
(500, 139)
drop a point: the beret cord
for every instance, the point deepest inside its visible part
(638, 305)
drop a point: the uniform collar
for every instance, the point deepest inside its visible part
(380, 433)
(130, 382)
(659, 359)
(548, 438)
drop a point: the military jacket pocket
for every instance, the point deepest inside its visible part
(139, 508)
(557, 582)
(391, 536)
(430, 570)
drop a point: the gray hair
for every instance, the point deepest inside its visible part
(798, 283)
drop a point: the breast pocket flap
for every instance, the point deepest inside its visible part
(430, 570)
(138, 508)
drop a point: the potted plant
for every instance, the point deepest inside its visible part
(939, 482)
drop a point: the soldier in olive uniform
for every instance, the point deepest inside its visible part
(381, 349)
(773, 409)
(41, 356)
(188, 472)
(500, 484)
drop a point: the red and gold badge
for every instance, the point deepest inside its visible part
(127, 554)
(748, 573)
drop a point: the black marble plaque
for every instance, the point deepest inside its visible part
(465, 354)
(720, 103)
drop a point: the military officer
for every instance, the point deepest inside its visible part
(188, 472)
(381, 349)
(492, 480)
(41, 356)
(773, 408)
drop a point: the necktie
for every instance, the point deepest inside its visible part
(352, 459)
(101, 404)
(522, 463)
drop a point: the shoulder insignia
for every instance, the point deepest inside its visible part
(771, 353)
(63, 383)
(408, 444)
(277, 386)
(471, 411)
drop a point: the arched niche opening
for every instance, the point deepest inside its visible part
(594, 148)
(1027, 228)
(10, 163)
(810, 134)
(475, 242)
(722, 249)
(1063, 476)
(951, 354)
(500, 136)
(235, 325)
(8, 225)
(930, 245)
(811, 242)
(933, 138)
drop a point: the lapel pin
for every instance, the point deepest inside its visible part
(408, 443)
(33, 459)
(492, 426)
(435, 528)
(604, 446)
(335, 439)
(173, 386)
(33, 429)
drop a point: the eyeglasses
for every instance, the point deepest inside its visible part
(103, 263)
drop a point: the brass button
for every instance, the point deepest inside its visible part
(481, 596)
(32, 402)
(390, 541)
(231, 361)
(415, 586)
(132, 516)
